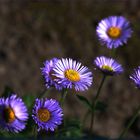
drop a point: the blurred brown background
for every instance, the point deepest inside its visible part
(33, 31)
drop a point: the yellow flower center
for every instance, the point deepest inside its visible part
(114, 32)
(9, 115)
(106, 67)
(72, 75)
(43, 115)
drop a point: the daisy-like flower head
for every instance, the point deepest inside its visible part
(108, 65)
(114, 31)
(47, 72)
(47, 114)
(72, 74)
(13, 114)
(135, 77)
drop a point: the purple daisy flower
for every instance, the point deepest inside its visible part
(13, 114)
(108, 65)
(114, 31)
(135, 77)
(47, 114)
(72, 74)
(47, 72)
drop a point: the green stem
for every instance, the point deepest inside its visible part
(86, 116)
(63, 96)
(113, 52)
(99, 89)
(130, 123)
(62, 99)
(92, 122)
(94, 103)
(35, 132)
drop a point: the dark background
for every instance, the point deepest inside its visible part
(33, 31)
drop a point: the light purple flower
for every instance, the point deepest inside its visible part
(72, 74)
(13, 114)
(114, 31)
(47, 114)
(108, 65)
(47, 72)
(135, 77)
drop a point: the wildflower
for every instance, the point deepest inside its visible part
(47, 72)
(108, 65)
(72, 74)
(13, 114)
(135, 77)
(114, 31)
(47, 114)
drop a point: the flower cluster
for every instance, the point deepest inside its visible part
(47, 113)
(67, 73)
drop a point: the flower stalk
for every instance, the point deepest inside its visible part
(124, 132)
(95, 102)
(63, 96)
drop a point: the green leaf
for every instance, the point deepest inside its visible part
(72, 128)
(29, 101)
(73, 122)
(85, 101)
(30, 128)
(100, 106)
